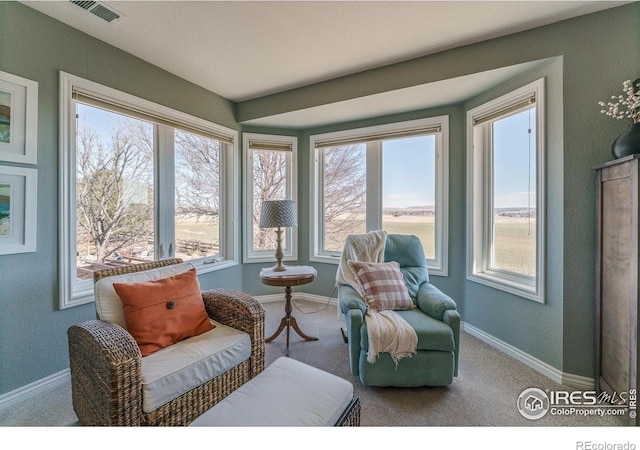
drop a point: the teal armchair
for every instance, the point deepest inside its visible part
(435, 320)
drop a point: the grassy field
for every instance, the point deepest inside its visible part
(421, 226)
(515, 243)
(192, 229)
(189, 231)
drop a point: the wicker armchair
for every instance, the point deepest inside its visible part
(105, 363)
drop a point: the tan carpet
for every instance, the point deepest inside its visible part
(484, 394)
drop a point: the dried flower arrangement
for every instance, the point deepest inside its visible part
(631, 114)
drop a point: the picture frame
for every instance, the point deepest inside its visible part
(18, 119)
(18, 209)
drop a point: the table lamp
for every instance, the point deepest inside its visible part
(278, 214)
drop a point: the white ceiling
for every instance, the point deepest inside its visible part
(247, 49)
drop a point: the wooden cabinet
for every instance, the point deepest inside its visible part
(617, 276)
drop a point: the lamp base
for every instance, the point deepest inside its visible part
(279, 268)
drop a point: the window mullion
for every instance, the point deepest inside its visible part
(374, 186)
(490, 200)
(225, 215)
(290, 193)
(164, 192)
(318, 201)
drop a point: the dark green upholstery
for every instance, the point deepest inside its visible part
(436, 321)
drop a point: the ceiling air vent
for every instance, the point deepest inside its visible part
(99, 9)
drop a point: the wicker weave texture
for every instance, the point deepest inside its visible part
(352, 416)
(105, 363)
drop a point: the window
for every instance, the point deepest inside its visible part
(506, 192)
(270, 173)
(139, 182)
(392, 177)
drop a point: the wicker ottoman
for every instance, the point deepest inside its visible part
(287, 393)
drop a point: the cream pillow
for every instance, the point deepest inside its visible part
(108, 303)
(382, 284)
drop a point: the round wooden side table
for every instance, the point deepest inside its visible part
(288, 281)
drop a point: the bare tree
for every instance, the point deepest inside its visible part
(114, 187)
(269, 183)
(197, 176)
(344, 200)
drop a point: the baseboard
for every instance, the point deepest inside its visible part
(297, 296)
(567, 379)
(35, 388)
(578, 382)
(269, 298)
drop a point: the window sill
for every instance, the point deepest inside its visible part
(521, 290)
(203, 267)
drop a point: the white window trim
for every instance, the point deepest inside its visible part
(291, 246)
(438, 266)
(73, 292)
(478, 201)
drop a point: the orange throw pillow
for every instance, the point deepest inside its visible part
(162, 312)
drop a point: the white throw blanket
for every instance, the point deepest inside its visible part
(387, 331)
(390, 333)
(367, 247)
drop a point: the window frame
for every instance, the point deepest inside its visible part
(437, 266)
(480, 201)
(291, 241)
(73, 292)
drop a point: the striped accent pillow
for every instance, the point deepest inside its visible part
(382, 284)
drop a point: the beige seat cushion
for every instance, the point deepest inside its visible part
(174, 370)
(287, 393)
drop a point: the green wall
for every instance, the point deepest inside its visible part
(590, 56)
(33, 340)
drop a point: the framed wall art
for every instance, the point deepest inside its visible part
(18, 209)
(18, 119)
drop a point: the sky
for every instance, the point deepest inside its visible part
(408, 167)
(514, 177)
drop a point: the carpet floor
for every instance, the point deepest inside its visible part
(483, 395)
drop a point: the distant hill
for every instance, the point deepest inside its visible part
(410, 211)
(515, 212)
(430, 210)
